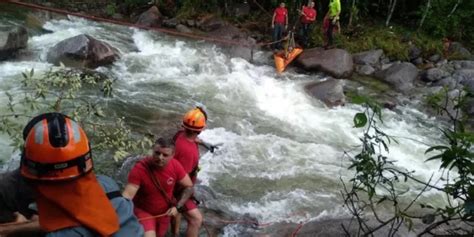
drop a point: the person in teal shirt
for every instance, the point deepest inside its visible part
(333, 15)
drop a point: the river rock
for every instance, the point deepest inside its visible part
(457, 49)
(211, 23)
(331, 91)
(371, 57)
(469, 106)
(33, 21)
(417, 61)
(12, 40)
(170, 23)
(151, 18)
(183, 29)
(241, 43)
(335, 62)
(464, 74)
(435, 58)
(434, 74)
(448, 82)
(465, 64)
(468, 85)
(82, 51)
(365, 70)
(414, 52)
(399, 75)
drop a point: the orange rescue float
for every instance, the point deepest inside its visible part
(282, 61)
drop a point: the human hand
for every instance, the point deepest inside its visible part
(173, 211)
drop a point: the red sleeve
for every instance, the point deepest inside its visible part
(136, 174)
(180, 173)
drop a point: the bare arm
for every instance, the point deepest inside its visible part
(21, 224)
(130, 191)
(273, 20)
(187, 192)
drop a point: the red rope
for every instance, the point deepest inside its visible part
(297, 229)
(118, 22)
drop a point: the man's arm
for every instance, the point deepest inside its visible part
(188, 191)
(273, 20)
(21, 224)
(130, 191)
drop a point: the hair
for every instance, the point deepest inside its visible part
(164, 142)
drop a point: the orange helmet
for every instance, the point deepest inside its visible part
(56, 148)
(195, 119)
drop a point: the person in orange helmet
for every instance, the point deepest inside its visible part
(71, 200)
(187, 153)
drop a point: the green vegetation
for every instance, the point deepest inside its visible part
(80, 95)
(378, 182)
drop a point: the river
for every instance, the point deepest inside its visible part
(282, 153)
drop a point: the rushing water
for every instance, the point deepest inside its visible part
(281, 158)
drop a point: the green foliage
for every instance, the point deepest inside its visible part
(378, 181)
(78, 94)
(111, 9)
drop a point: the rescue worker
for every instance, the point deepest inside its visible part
(151, 183)
(308, 16)
(279, 25)
(187, 153)
(333, 18)
(71, 200)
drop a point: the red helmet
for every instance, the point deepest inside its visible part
(56, 148)
(195, 119)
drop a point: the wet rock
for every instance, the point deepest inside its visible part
(183, 29)
(82, 51)
(36, 23)
(365, 70)
(170, 23)
(12, 40)
(151, 18)
(400, 76)
(335, 62)
(371, 57)
(434, 74)
(331, 91)
(435, 58)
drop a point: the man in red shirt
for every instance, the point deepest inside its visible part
(187, 153)
(279, 24)
(308, 16)
(151, 184)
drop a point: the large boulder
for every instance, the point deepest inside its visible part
(371, 57)
(151, 18)
(82, 51)
(331, 91)
(399, 75)
(335, 62)
(12, 40)
(243, 43)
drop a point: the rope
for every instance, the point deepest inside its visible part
(297, 229)
(152, 217)
(118, 22)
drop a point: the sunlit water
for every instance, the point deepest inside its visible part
(281, 158)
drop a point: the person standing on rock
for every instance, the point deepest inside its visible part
(279, 25)
(308, 16)
(151, 184)
(332, 17)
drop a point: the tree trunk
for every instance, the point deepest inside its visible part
(392, 9)
(352, 13)
(428, 6)
(454, 8)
